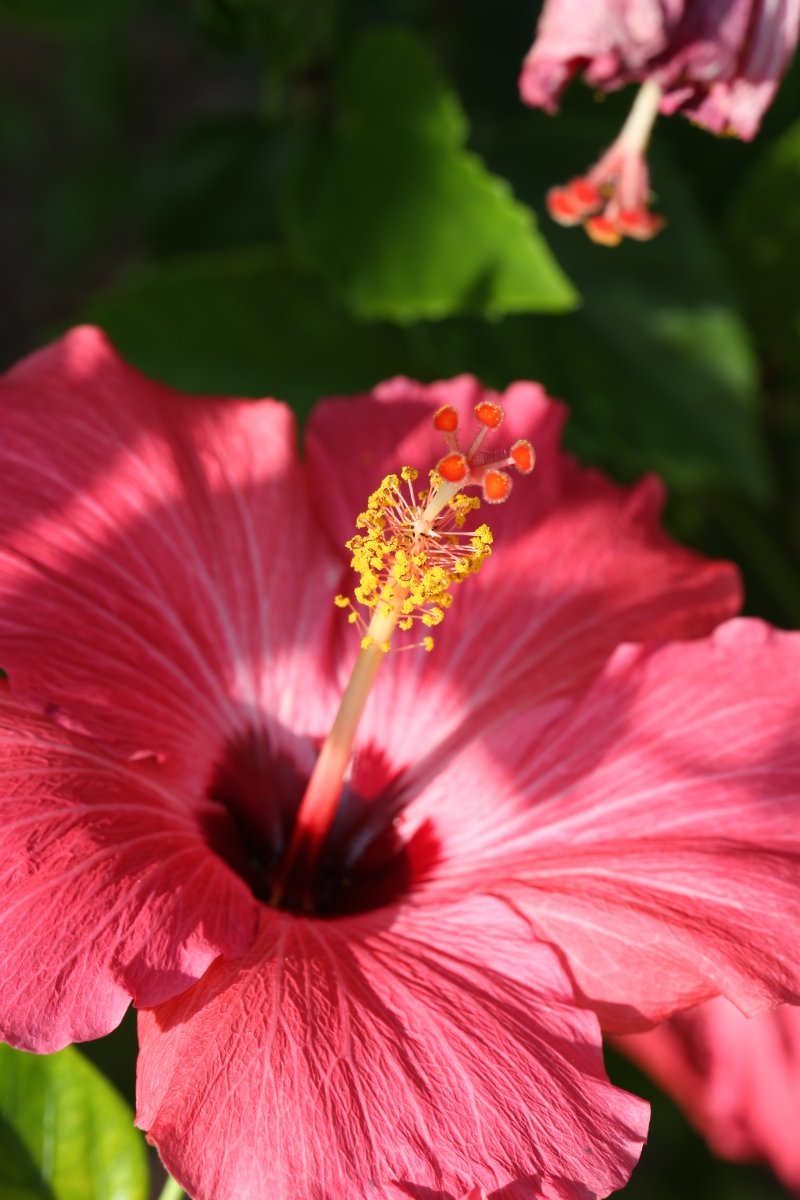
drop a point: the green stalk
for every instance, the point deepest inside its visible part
(172, 1190)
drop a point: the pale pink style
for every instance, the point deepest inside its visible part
(736, 1078)
(535, 810)
(718, 61)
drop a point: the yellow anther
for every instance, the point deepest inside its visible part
(408, 552)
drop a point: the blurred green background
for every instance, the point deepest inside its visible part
(264, 197)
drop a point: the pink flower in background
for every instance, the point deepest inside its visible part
(717, 61)
(736, 1078)
(535, 812)
(612, 200)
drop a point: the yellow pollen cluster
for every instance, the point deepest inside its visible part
(411, 551)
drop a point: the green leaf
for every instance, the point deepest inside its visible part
(65, 1133)
(399, 219)
(213, 185)
(664, 387)
(763, 224)
(246, 322)
(243, 322)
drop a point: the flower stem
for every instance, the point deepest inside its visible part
(171, 1190)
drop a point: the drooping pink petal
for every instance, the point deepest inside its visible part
(341, 1057)
(108, 890)
(718, 61)
(727, 60)
(159, 571)
(736, 1078)
(610, 36)
(650, 831)
(578, 565)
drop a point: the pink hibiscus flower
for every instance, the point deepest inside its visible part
(717, 61)
(736, 1078)
(375, 998)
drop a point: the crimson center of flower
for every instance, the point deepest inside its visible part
(327, 850)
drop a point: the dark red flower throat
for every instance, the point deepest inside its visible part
(364, 863)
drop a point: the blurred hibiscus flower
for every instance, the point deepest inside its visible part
(533, 814)
(736, 1078)
(717, 61)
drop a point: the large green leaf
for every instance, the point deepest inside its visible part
(399, 219)
(245, 322)
(65, 1133)
(242, 322)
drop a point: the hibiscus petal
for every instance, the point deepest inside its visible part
(651, 832)
(614, 39)
(719, 61)
(727, 60)
(109, 891)
(736, 1078)
(343, 1057)
(149, 596)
